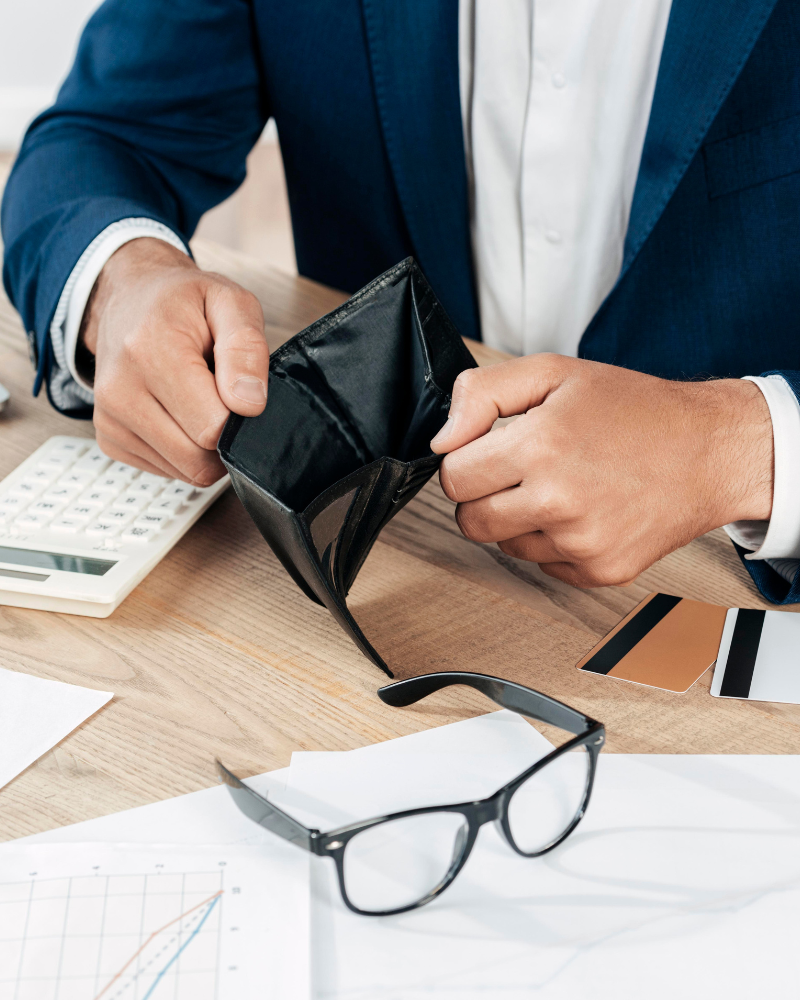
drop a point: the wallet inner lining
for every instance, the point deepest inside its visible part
(359, 391)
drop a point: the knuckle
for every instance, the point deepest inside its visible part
(588, 544)
(207, 438)
(249, 301)
(205, 474)
(246, 344)
(515, 547)
(132, 344)
(451, 480)
(102, 424)
(553, 360)
(105, 397)
(471, 523)
(200, 466)
(228, 292)
(605, 573)
(467, 381)
(554, 502)
(108, 447)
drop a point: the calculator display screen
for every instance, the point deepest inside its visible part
(56, 560)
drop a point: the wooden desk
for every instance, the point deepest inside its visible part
(217, 652)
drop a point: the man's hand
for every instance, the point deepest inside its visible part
(606, 470)
(176, 349)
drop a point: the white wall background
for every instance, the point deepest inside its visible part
(38, 39)
(37, 43)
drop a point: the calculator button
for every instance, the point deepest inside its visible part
(67, 525)
(30, 520)
(6, 515)
(72, 449)
(16, 504)
(151, 477)
(29, 490)
(110, 484)
(131, 501)
(45, 508)
(55, 461)
(121, 469)
(178, 489)
(79, 478)
(37, 475)
(94, 459)
(112, 516)
(145, 488)
(136, 534)
(166, 504)
(148, 519)
(60, 494)
(81, 512)
(97, 529)
(94, 498)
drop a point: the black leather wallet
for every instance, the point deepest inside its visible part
(344, 441)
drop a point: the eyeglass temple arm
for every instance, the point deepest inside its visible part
(263, 812)
(509, 695)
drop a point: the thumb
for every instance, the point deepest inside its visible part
(481, 395)
(241, 355)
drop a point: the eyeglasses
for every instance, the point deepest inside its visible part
(398, 862)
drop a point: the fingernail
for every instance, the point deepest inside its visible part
(443, 434)
(250, 389)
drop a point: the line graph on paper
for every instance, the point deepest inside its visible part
(103, 936)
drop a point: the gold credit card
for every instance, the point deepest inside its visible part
(665, 642)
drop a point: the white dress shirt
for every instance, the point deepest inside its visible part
(555, 98)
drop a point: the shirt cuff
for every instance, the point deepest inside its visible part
(778, 538)
(67, 388)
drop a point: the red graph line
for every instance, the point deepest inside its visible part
(155, 934)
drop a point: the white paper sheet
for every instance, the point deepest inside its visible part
(36, 714)
(103, 922)
(682, 880)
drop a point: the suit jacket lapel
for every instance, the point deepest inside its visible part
(413, 48)
(706, 46)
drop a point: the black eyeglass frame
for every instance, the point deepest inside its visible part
(525, 701)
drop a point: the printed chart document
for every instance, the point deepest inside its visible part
(182, 827)
(683, 880)
(105, 922)
(36, 714)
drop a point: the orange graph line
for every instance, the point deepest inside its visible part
(155, 934)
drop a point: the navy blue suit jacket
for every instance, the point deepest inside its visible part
(167, 97)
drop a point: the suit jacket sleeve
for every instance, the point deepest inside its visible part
(155, 119)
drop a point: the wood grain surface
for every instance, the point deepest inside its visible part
(217, 652)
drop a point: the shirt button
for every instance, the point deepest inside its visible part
(559, 80)
(552, 236)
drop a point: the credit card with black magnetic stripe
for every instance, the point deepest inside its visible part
(665, 642)
(759, 657)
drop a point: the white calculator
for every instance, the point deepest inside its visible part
(78, 531)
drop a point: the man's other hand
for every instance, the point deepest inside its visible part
(605, 470)
(176, 349)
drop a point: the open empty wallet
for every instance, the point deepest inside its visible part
(344, 441)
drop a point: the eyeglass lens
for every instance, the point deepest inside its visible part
(544, 807)
(396, 864)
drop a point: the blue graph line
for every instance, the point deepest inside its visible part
(182, 948)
